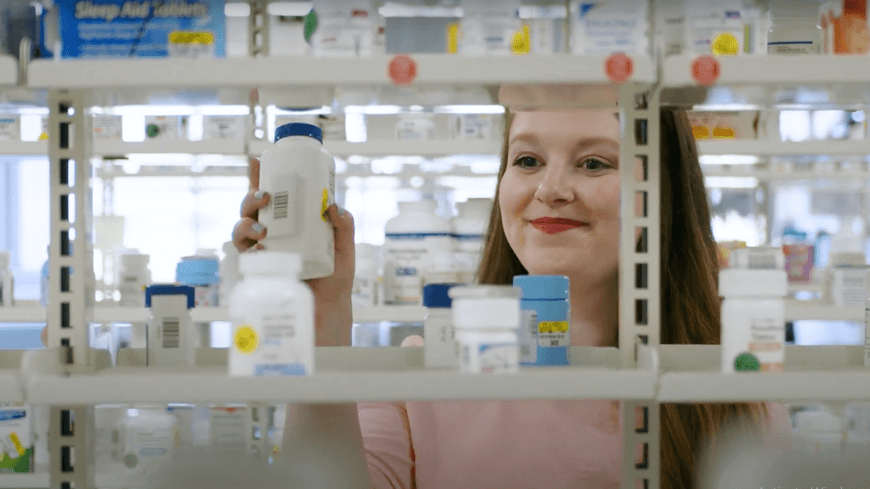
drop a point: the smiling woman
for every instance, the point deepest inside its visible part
(557, 212)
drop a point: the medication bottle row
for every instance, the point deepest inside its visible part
(139, 439)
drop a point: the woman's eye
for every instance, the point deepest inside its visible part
(593, 164)
(526, 162)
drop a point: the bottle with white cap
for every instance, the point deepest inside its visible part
(469, 228)
(132, 278)
(753, 310)
(272, 313)
(7, 281)
(487, 321)
(170, 334)
(299, 176)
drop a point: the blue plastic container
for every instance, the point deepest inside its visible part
(201, 273)
(547, 297)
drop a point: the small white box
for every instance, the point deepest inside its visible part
(107, 128)
(849, 286)
(223, 128)
(10, 127)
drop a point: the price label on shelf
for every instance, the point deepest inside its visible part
(191, 45)
(402, 70)
(618, 67)
(705, 70)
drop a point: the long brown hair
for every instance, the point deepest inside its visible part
(689, 291)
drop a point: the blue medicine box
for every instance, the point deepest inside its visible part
(138, 28)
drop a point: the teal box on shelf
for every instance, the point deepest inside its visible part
(135, 29)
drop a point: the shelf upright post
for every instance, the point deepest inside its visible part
(639, 271)
(71, 283)
(258, 29)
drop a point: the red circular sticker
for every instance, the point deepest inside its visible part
(402, 70)
(705, 70)
(618, 67)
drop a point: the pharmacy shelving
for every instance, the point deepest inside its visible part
(431, 148)
(811, 373)
(798, 70)
(817, 311)
(108, 314)
(287, 72)
(24, 148)
(8, 70)
(760, 147)
(24, 481)
(348, 375)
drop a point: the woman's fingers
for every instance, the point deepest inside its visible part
(247, 233)
(253, 202)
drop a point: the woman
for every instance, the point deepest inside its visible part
(562, 165)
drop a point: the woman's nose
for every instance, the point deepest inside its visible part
(554, 188)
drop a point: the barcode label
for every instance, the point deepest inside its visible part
(171, 333)
(280, 205)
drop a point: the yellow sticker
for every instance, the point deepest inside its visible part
(43, 136)
(453, 38)
(725, 44)
(324, 204)
(191, 37)
(17, 444)
(521, 41)
(553, 327)
(246, 340)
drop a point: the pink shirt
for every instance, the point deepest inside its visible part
(499, 444)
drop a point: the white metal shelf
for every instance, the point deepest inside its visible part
(285, 72)
(218, 147)
(10, 389)
(812, 70)
(8, 70)
(759, 147)
(24, 481)
(796, 310)
(108, 314)
(343, 375)
(398, 147)
(27, 148)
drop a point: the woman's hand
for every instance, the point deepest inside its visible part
(331, 294)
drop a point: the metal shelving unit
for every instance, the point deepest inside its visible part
(642, 372)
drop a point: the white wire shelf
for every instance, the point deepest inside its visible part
(8, 70)
(285, 72)
(759, 147)
(345, 375)
(816, 70)
(398, 148)
(812, 373)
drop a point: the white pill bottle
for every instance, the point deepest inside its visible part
(299, 176)
(273, 318)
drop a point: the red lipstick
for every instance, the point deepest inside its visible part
(555, 225)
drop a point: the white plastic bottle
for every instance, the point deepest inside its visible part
(488, 27)
(299, 175)
(412, 240)
(365, 279)
(487, 319)
(170, 333)
(545, 26)
(753, 311)
(714, 27)
(7, 281)
(229, 272)
(273, 318)
(794, 27)
(344, 28)
(149, 439)
(608, 26)
(439, 349)
(469, 228)
(133, 276)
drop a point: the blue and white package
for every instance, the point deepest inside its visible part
(547, 297)
(141, 28)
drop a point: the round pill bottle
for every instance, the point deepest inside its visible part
(547, 297)
(486, 318)
(299, 176)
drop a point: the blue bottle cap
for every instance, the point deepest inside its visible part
(551, 287)
(298, 129)
(435, 295)
(170, 289)
(197, 271)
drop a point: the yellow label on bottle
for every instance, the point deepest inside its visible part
(521, 42)
(16, 442)
(725, 44)
(547, 327)
(191, 37)
(245, 339)
(324, 204)
(453, 38)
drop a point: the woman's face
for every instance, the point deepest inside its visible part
(559, 196)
